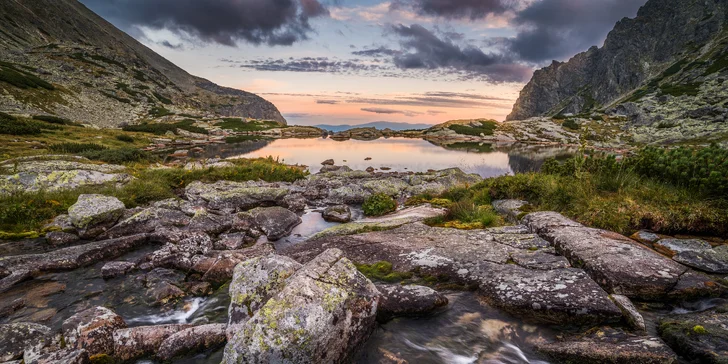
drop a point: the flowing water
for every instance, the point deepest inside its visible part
(397, 154)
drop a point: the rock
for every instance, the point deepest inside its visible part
(54, 175)
(232, 241)
(115, 269)
(65, 356)
(182, 255)
(633, 317)
(163, 285)
(509, 208)
(61, 223)
(399, 300)
(276, 222)
(370, 169)
(695, 253)
(325, 312)
(15, 338)
(92, 330)
(338, 213)
(234, 196)
(610, 347)
(210, 223)
(148, 221)
(295, 202)
(141, 341)
(254, 282)
(193, 339)
(94, 210)
(539, 260)
(645, 237)
(701, 337)
(328, 162)
(620, 265)
(186, 207)
(59, 238)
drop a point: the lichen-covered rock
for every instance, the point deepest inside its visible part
(15, 338)
(234, 196)
(147, 221)
(399, 300)
(183, 254)
(65, 356)
(325, 312)
(338, 213)
(276, 222)
(115, 269)
(695, 253)
(388, 186)
(509, 208)
(631, 315)
(701, 337)
(386, 222)
(60, 238)
(60, 175)
(141, 341)
(162, 285)
(295, 202)
(610, 347)
(645, 237)
(191, 340)
(92, 330)
(210, 223)
(254, 282)
(94, 210)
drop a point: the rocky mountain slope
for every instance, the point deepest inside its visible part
(58, 57)
(664, 69)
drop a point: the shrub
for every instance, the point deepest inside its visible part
(76, 148)
(117, 156)
(570, 124)
(125, 138)
(162, 128)
(159, 112)
(52, 119)
(21, 79)
(487, 127)
(237, 124)
(379, 204)
(162, 99)
(382, 271)
(468, 212)
(10, 125)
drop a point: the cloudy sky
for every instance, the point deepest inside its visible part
(357, 61)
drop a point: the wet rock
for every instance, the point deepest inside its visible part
(338, 213)
(234, 196)
(141, 341)
(645, 237)
(93, 210)
(61, 223)
(254, 282)
(115, 269)
(192, 340)
(15, 338)
(183, 206)
(59, 238)
(148, 221)
(701, 337)
(65, 356)
(331, 169)
(163, 285)
(399, 300)
(92, 330)
(324, 313)
(8, 308)
(509, 208)
(632, 316)
(219, 265)
(609, 347)
(276, 222)
(620, 265)
(695, 253)
(182, 255)
(328, 162)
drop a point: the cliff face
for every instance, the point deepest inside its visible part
(671, 43)
(99, 74)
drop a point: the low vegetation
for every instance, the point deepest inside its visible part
(56, 120)
(14, 75)
(486, 127)
(24, 214)
(10, 125)
(570, 124)
(159, 111)
(240, 125)
(162, 128)
(383, 271)
(379, 204)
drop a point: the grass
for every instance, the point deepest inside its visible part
(55, 120)
(379, 204)
(10, 125)
(162, 128)
(75, 148)
(241, 125)
(382, 271)
(19, 78)
(26, 213)
(691, 89)
(570, 124)
(487, 127)
(158, 112)
(125, 138)
(162, 99)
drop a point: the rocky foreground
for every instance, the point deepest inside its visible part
(309, 302)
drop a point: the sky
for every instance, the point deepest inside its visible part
(358, 61)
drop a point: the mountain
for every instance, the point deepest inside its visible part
(665, 68)
(381, 125)
(59, 57)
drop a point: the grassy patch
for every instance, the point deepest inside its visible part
(158, 112)
(75, 148)
(241, 125)
(162, 128)
(162, 99)
(382, 271)
(19, 78)
(10, 125)
(56, 120)
(570, 124)
(486, 127)
(114, 97)
(720, 62)
(691, 89)
(25, 213)
(378, 205)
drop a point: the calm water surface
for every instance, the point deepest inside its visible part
(399, 154)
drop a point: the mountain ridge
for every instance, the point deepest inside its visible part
(396, 126)
(97, 67)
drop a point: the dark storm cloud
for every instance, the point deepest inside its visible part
(310, 64)
(167, 44)
(380, 110)
(376, 52)
(272, 22)
(472, 9)
(423, 49)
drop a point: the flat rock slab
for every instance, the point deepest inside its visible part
(15, 338)
(192, 340)
(619, 264)
(609, 350)
(477, 257)
(92, 330)
(695, 253)
(143, 340)
(55, 175)
(234, 196)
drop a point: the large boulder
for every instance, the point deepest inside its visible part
(92, 330)
(701, 337)
(338, 213)
(325, 312)
(191, 340)
(52, 175)
(16, 338)
(234, 196)
(276, 222)
(141, 341)
(94, 210)
(148, 221)
(399, 300)
(254, 282)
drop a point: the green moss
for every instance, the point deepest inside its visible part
(379, 204)
(700, 330)
(382, 271)
(102, 359)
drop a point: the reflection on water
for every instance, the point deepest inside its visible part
(401, 154)
(466, 332)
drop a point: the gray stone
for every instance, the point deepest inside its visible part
(701, 337)
(15, 338)
(192, 340)
(328, 162)
(93, 213)
(210, 223)
(412, 300)
(276, 222)
(633, 317)
(148, 221)
(65, 356)
(141, 341)
(326, 311)
(509, 208)
(92, 330)
(539, 260)
(54, 175)
(234, 196)
(695, 253)
(338, 213)
(115, 269)
(612, 347)
(59, 238)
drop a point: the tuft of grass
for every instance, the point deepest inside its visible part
(124, 138)
(382, 271)
(379, 204)
(76, 148)
(10, 125)
(487, 127)
(118, 156)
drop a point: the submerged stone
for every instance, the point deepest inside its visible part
(412, 300)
